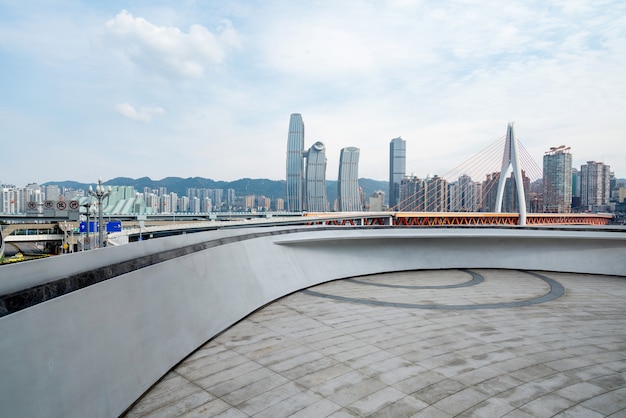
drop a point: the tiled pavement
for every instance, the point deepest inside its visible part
(342, 350)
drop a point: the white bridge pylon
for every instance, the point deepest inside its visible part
(510, 161)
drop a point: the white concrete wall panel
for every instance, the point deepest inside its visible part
(93, 352)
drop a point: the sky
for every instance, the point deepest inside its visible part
(105, 89)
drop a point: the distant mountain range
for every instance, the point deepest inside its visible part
(243, 187)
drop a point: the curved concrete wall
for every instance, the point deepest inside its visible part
(93, 352)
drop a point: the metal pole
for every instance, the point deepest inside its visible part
(87, 241)
(100, 231)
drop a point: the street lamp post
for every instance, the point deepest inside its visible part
(100, 193)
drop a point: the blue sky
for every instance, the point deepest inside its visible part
(94, 89)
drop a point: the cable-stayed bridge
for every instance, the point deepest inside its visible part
(460, 198)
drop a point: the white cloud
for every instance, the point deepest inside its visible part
(446, 76)
(167, 49)
(143, 114)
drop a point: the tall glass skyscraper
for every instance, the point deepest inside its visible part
(348, 180)
(557, 180)
(397, 169)
(295, 163)
(315, 190)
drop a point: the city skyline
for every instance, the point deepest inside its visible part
(161, 89)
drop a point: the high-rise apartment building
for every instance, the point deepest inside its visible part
(463, 195)
(397, 169)
(595, 186)
(436, 194)
(412, 195)
(348, 180)
(295, 163)
(377, 201)
(489, 192)
(315, 183)
(510, 199)
(557, 180)
(231, 199)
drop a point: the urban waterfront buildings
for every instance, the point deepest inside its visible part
(436, 194)
(377, 201)
(348, 180)
(595, 190)
(557, 180)
(397, 170)
(464, 195)
(412, 195)
(315, 179)
(295, 163)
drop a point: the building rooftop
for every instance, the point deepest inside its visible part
(422, 343)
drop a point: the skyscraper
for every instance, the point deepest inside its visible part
(510, 201)
(463, 195)
(436, 194)
(348, 180)
(315, 190)
(595, 186)
(397, 169)
(412, 195)
(295, 163)
(557, 180)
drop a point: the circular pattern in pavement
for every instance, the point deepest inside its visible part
(556, 290)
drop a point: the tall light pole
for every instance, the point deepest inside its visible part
(100, 194)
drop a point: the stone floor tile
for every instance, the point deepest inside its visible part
(431, 412)
(547, 406)
(209, 409)
(578, 411)
(321, 408)
(287, 407)
(517, 413)
(375, 401)
(606, 404)
(322, 376)
(342, 413)
(150, 404)
(580, 391)
(226, 374)
(531, 373)
(437, 391)
(206, 366)
(497, 385)
(404, 407)
(255, 389)
(295, 361)
(269, 398)
(392, 370)
(610, 381)
(418, 382)
(488, 408)
(346, 394)
(224, 387)
(232, 413)
(367, 360)
(181, 406)
(461, 401)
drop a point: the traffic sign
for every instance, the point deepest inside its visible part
(74, 204)
(61, 205)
